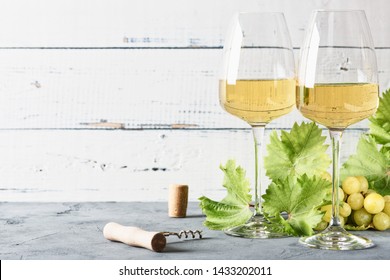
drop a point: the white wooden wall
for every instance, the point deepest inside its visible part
(114, 100)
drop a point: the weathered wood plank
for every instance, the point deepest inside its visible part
(142, 64)
(132, 89)
(96, 165)
(153, 23)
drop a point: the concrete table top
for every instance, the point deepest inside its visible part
(74, 231)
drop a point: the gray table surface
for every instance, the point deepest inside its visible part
(74, 231)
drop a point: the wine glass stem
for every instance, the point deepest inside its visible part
(258, 136)
(335, 136)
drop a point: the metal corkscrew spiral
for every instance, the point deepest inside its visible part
(186, 233)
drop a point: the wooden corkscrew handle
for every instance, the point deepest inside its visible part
(135, 236)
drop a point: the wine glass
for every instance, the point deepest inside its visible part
(258, 85)
(337, 87)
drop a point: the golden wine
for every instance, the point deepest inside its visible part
(338, 105)
(258, 101)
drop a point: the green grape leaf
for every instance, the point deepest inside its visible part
(220, 216)
(236, 183)
(300, 151)
(352, 227)
(298, 198)
(234, 209)
(371, 163)
(380, 122)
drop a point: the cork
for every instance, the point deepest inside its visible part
(178, 199)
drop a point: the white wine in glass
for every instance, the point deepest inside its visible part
(340, 105)
(258, 101)
(258, 85)
(337, 87)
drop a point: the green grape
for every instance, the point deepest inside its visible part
(327, 207)
(327, 216)
(356, 201)
(374, 203)
(321, 226)
(326, 176)
(351, 185)
(370, 191)
(341, 193)
(381, 221)
(362, 217)
(363, 184)
(386, 209)
(350, 219)
(387, 198)
(342, 220)
(328, 212)
(345, 210)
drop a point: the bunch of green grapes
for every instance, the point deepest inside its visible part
(359, 206)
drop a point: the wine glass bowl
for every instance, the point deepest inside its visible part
(258, 102)
(257, 85)
(337, 87)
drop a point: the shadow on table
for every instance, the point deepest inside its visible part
(195, 216)
(179, 246)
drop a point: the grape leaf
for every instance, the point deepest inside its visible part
(300, 151)
(362, 227)
(300, 199)
(237, 185)
(370, 162)
(234, 209)
(380, 122)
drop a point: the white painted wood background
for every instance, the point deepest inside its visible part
(115, 100)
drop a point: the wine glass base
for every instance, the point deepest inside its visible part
(336, 238)
(256, 227)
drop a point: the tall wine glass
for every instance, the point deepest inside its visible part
(337, 87)
(258, 85)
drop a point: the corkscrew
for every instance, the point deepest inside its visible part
(135, 236)
(186, 233)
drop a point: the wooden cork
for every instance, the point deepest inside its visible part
(178, 200)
